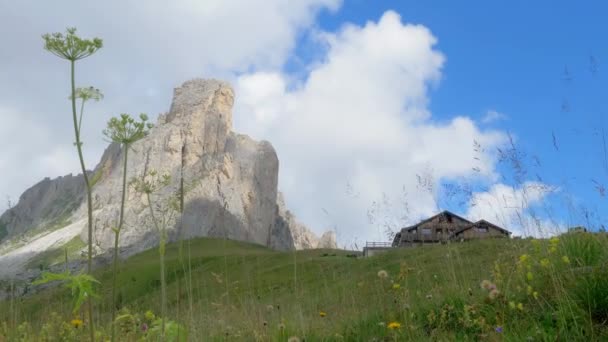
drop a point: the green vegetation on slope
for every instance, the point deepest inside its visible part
(55, 256)
(43, 228)
(3, 230)
(515, 290)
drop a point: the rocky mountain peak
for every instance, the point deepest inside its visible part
(231, 183)
(201, 99)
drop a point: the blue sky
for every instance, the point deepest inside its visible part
(511, 57)
(327, 83)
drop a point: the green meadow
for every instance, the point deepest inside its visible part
(220, 290)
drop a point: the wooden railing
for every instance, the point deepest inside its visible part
(378, 244)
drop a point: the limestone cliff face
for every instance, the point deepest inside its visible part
(230, 181)
(48, 203)
(327, 240)
(301, 236)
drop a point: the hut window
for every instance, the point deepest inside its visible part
(482, 229)
(426, 231)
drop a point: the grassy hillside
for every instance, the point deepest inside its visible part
(511, 290)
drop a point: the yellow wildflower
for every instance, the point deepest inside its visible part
(565, 259)
(544, 262)
(149, 315)
(520, 306)
(394, 325)
(396, 286)
(535, 295)
(553, 242)
(530, 276)
(322, 314)
(76, 323)
(529, 290)
(523, 258)
(512, 305)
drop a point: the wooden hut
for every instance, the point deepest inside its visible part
(446, 226)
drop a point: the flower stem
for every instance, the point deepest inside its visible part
(161, 250)
(116, 238)
(89, 194)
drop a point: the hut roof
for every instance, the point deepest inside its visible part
(480, 222)
(443, 213)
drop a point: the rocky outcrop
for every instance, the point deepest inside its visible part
(327, 240)
(230, 183)
(230, 179)
(48, 203)
(301, 236)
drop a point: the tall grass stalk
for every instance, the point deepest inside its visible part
(12, 305)
(65, 250)
(161, 253)
(148, 184)
(186, 269)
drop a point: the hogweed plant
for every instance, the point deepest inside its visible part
(72, 48)
(84, 95)
(148, 184)
(124, 131)
(82, 286)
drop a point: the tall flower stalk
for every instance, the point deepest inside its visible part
(124, 131)
(73, 48)
(149, 183)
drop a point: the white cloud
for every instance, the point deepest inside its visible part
(493, 116)
(182, 36)
(148, 49)
(513, 208)
(361, 117)
(261, 91)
